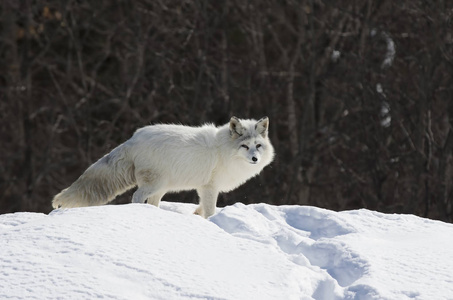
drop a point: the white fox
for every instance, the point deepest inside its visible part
(171, 158)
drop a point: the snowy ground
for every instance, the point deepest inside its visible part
(243, 252)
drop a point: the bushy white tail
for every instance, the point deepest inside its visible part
(110, 176)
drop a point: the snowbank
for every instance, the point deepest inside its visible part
(243, 252)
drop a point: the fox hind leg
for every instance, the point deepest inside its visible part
(149, 184)
(155, 199)
(148, 194)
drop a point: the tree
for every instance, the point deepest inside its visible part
(358, 94)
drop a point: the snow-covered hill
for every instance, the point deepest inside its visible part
(243, 252)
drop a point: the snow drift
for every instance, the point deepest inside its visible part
(243, 252)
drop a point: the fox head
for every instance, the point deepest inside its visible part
(251, 139)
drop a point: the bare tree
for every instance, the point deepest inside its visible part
(358, 93)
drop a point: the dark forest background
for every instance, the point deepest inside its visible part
(359, 94)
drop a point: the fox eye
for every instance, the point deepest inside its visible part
(257, 146)
(245, 146)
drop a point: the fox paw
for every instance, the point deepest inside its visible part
(199, 211)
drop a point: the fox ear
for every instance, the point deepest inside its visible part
(236, 129)
(262, 126)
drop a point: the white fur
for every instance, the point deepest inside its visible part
(171, 158)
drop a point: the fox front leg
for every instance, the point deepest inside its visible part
(208, 200)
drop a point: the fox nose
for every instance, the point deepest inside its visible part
(254, 159)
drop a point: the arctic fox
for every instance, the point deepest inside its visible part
(171, 158)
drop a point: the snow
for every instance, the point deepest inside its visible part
(259, 251)
(391, 48)
(335, 55)
(391, 51)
